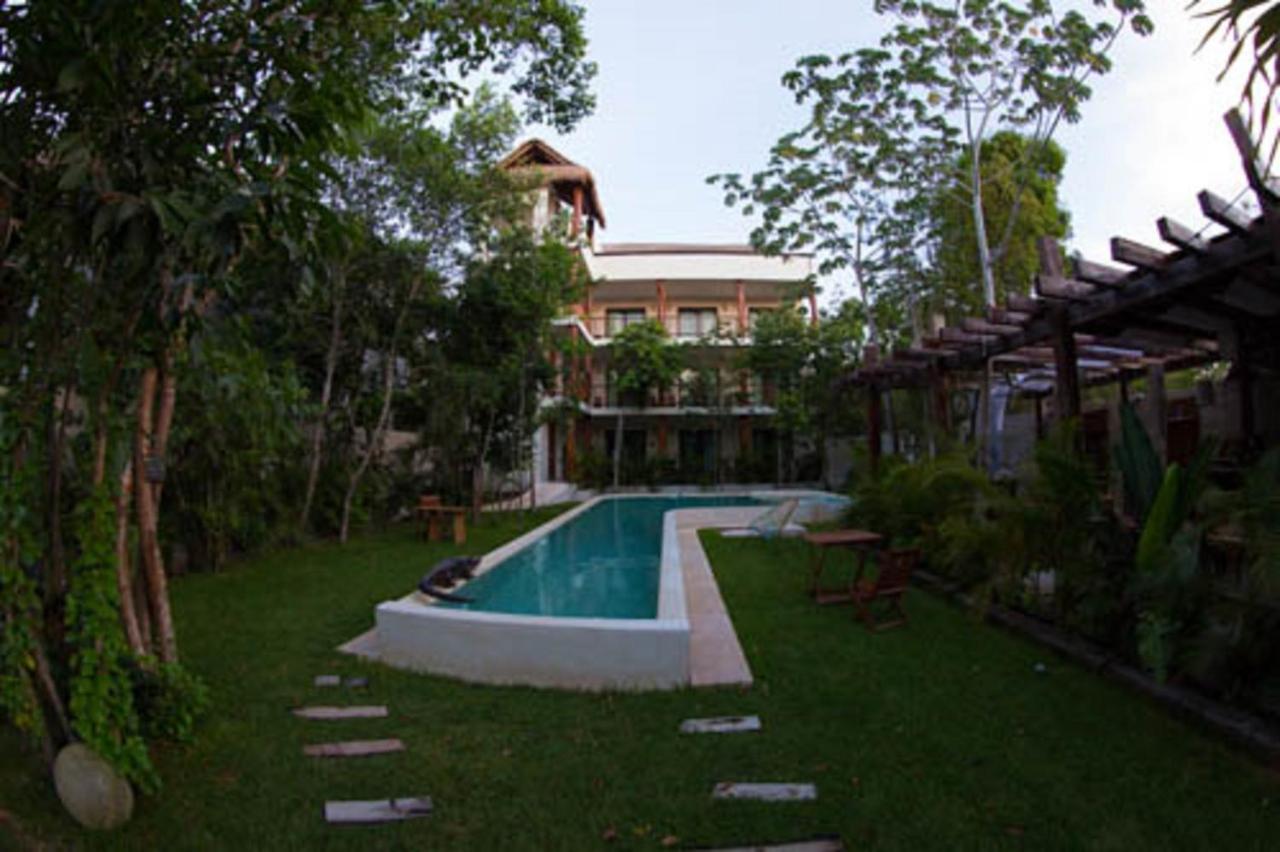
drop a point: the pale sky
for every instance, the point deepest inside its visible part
(689, 89)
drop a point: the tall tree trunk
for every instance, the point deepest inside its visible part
(326, 394)
(124, 569)
(372, 440)
(145, 502)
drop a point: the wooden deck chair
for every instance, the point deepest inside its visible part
(889, 585)
(771, 524)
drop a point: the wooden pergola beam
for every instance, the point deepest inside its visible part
(1218, 209)
(1178, 234)
(1137, 254)
(981, 326)
(1099, 273)
(1057, 287)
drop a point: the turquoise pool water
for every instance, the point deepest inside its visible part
(601, 564)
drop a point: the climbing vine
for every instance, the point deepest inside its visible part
(18, 600)
(102, 702)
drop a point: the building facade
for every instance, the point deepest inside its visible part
(716, 422)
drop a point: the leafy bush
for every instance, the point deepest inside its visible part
(170, 701)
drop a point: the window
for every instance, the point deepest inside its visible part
(616, 319)
(696, 322)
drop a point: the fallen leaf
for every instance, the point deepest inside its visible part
(670, 840)
(610, 834)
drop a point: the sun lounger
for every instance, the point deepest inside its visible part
(773, 523)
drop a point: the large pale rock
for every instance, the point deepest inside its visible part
(94, 793)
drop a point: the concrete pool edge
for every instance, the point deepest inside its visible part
(575, 652)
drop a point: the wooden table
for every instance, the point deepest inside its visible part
(820, 542)
(434, 514)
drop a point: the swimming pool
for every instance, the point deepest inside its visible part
(592, 599)
(601, 564)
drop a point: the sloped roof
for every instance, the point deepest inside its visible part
(558, 171)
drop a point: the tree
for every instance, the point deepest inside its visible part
(985, 66)
(148, 148)
(642, 359)
(491, 365)
(1037, 214)
(843, 185)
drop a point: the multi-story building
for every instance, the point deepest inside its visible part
(717, 420)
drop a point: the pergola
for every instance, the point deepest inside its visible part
(1199, 300)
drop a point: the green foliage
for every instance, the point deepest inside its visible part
(1140, 467)
(235, 472)
(1240, 19)
(170, 701)
(644, 359)
(103, 713)
(1019, 194)
(19, 603)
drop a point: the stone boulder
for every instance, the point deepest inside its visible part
(91, 791)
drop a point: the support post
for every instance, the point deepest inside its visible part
(1066, 373)
(874, 427)
(576, 228)
(662, 302)
(813, 309)
(1156, 410)
(742, 307)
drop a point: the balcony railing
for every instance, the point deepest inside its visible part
(684, 394)
(683, 328)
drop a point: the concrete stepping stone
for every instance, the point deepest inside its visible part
(353, 748)
(376, 810)
(377, 711)
(338, 680)
(817, 844)
(765, 792)
(721, 725)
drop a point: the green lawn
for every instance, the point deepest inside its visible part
(938, 736)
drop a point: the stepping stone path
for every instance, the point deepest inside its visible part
(377, 810)
(721, 725)
(372, 711)
(359, 811)
(765, 792)
(353, 748)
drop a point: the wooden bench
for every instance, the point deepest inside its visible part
(434, 516)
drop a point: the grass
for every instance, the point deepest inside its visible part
(938, 736)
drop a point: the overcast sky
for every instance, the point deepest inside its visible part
(688, 89)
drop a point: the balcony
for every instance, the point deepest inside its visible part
(693, 394)
(722, 329)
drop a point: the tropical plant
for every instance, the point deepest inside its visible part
(642, 359)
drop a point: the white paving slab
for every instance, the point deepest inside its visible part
(353, 748)
(721, 725)
(377, 810)
(354, 712)
(765, 792)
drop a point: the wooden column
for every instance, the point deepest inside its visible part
(742, 308)
(662, 302)
(1066, 371)
(874, 426)
(744, 436)
(813, 308)
(871, 357)
(1155, 410)
(940, 399)
(662, 437)
(552, 450)
(570, 449)
(576, 227)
